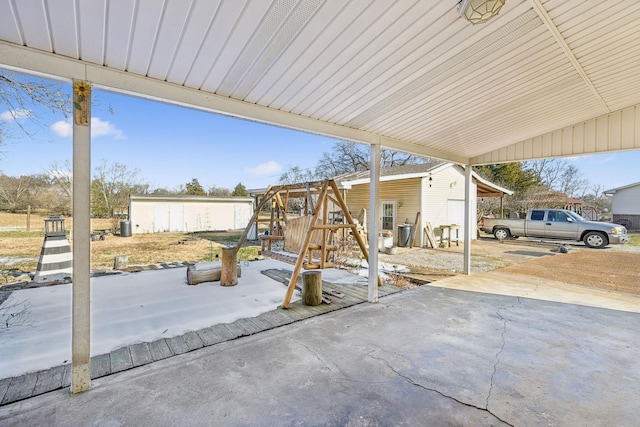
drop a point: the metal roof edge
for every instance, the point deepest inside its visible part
(624, 187)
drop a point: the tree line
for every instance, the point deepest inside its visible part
(546, 183)
(111, 185)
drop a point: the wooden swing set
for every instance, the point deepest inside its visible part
(314, 236)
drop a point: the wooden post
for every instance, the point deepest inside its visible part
(312, 287)
(120, 262)
(28, 218)
(81, 234)
(229, 273)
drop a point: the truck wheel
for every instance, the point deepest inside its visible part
(594, 239)
(501, 233)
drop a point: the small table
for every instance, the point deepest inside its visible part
(449, 228)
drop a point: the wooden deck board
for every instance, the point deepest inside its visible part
(225, 333)
(209, 336)
(262, 323)
(160, 349)
(250, 327)
(50, 379)
(278, 317)
(236, 329)
(4, 386)
(66, 376)
(100, 366)
(21, 387)
(140, 354)
(193, 341)
(121, 359)
(178, 345)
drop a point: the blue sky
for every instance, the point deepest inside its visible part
(170, 145)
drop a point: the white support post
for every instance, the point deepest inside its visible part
(374, 207)
(81, 294)
(468, 226)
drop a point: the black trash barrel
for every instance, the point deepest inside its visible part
(125, 228)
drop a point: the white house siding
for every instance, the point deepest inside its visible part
(625, 206)
(152, 215)
(439, 200)
(405, 192)
(444, 192)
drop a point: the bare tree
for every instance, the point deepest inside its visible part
(295, 175)
(597, 199)
(17, 193)
(59, 194)
(560, 175)
(24, 97)
(61, 176)
(348, 157)
(111, 186)
(218, 191)
(572, 183)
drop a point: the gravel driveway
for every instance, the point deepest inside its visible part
(613, 268)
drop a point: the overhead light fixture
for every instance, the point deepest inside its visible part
(480, 11)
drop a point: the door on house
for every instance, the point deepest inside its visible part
(455, 214)
(388, 214)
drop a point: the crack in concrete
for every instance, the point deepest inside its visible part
(413, 382)
(495, 365)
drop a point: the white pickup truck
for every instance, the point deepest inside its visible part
(557, 224)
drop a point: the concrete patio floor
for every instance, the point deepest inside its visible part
(487, 349)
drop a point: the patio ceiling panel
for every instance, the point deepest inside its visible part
(208, 32)
(236, 43)
(32, 22)
(299, 64)
(367, 54)
(439, 51)
(171, 28)
(498, 78)
(120, 27)
(10, 30)
(144, 43)
(63, 30)
(91, 34)
(412, 50)
(281, 29)
(333, 53)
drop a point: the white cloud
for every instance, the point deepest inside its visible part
(64, 128)
(265, 169)
(100, 128)
(15, 114)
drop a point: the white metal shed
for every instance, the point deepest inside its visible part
(183, 214)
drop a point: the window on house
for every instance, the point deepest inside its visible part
(388, 215)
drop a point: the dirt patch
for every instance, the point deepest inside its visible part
(614, 268)
(604, 269)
